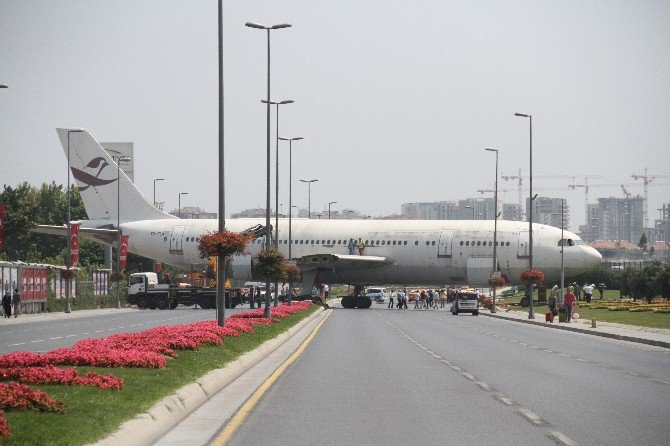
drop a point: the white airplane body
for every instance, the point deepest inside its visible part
(430, 252)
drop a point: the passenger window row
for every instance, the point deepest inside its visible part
(484, 243)
(376, 242)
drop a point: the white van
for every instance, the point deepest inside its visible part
(377, 294)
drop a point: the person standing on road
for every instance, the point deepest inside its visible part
(361, 246)
(7, 304)
(390, 305)
(16, 300)
(568, 301)
(417, 301)
(551, 302)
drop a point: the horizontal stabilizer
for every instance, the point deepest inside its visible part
(106, 236)
(341, 261)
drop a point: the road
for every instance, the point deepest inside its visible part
(51, 331)
(427, 377)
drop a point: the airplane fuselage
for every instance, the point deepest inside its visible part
(422, 251)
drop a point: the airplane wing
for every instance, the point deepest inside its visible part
(340, 262)
(106, 236)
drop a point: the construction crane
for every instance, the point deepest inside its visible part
(625, 191)
(647, 179)
(520, 178)
(520, 189)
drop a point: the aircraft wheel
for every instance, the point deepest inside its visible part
(525, 301)
(348, 302)
(363, 302)
(162, 303)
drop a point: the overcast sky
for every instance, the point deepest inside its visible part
(396, 100)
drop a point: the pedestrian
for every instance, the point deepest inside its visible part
(361, 246)
(326, 291)
(7, 304)
(16, 300)
(601, 289)
(551, 302)
(588, 292)
(568, 301)
(424, 298)
(352, 246)
(390, 305)
(404, 299)
(442, 298)
(399, 299)
(417, 301)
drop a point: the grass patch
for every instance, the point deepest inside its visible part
(91, 413)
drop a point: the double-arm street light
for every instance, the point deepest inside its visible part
(179, 203)
(287, 101)
(495, 232)
(119, 159)
(268, 231)
(531, 311)
(290, 185)
(156, 179)
(309, 196)
(332, 202)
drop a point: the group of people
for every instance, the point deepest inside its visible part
(421, 299)
(11, 300)
(353, 244)
(569, 300)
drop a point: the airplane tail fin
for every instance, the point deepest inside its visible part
(95, 174)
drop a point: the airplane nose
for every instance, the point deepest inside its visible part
(593, 257)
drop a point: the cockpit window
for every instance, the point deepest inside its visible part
(570, 242)
(579, 242)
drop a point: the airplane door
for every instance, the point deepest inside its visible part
(444, 246)
(176, 238)
(522, 247)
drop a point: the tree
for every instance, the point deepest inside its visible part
(643, 241)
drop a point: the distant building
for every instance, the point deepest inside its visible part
(661, 231)
(250, 213)
(617, 249)
(193, 213)
(547, 211)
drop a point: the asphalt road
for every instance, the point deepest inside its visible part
(426, 377)
(60, 330)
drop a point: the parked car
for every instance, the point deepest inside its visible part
(466, 301)
(377, 294)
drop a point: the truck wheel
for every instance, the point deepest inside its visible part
(142, 302)
(174, 303)
(348, 302)
(475, 313)
(363, 302)
(162, 303)
(152, 305)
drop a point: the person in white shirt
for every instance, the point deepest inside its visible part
(588, 292)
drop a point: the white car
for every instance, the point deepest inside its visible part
(377, 294)
(466, 302)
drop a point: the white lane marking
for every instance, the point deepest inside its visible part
(57, 337)
(633, 373)
(14, 345)
(37, 340)
(531, 416)
(455, 367)
(563, 354)
(563, 439)
(484, 386)
(506, 400)
(469, 376)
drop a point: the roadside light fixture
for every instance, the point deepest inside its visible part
(119, 159)
(69, 228)
(309, 196)
(156, 179)
(268, 230)
(495, 232)
(290, 186)
(179, 203)
(332, 202)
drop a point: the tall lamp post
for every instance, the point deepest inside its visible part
(332, 202)
(562, 248)
(309, 196)
(268, 231)
(156, 179)
(69, 228)
(119, 159)
(531, 311)
(290, 186)
(179, 203)
(495, 231)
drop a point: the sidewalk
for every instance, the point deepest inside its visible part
(659, 337)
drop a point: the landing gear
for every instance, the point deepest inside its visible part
(357, 300)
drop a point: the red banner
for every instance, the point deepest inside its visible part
(158, 267)
(123, 252)
(2, 224)
(74, 244)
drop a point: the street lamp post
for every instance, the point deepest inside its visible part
(309, 196)
(531, 311)
(332, 202)
(119, 160)
(156, 179)
(179, 203)
(562, 248)
(290, 187)
(69, 228)
(268, 231)
(495, 231)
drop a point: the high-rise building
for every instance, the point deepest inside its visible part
(614, 219)
(547, 211)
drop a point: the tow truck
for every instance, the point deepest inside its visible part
(145, 292)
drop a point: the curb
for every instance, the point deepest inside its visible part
(583, 331)
(148, 427)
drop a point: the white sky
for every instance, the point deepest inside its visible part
(395, 99)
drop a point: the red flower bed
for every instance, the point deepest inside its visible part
(225, 243)
(14, 396)
(53, 375)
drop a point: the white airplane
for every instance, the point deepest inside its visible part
(427, 252)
